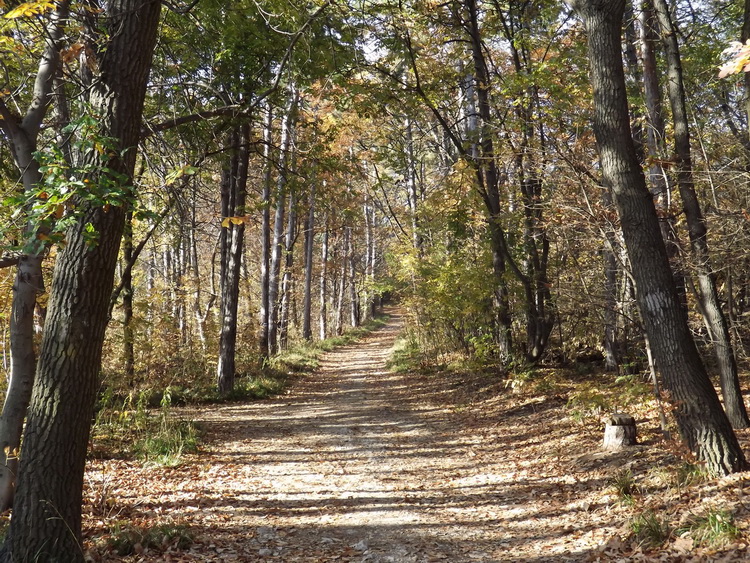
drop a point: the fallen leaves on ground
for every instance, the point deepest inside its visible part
(359, 464)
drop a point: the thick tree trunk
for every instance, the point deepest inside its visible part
(697, 230)
(46, 524)
(233, 192)
(309, 239)
(700, 419)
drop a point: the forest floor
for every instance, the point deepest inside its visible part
(355, 463)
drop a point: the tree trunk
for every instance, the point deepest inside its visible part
(287, 127)
(287, 278)
(128, 335)
(309, 238)
(354, 311)
(342, 283)
(265, 236)
(323, 313)
(697, 230)
(700, 419)
(46, 524)
(22, 135)
(233, 193)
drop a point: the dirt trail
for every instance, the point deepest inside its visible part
(353, 466)
(358, 464)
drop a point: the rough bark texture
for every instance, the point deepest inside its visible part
(46, 524)
(697, 229)
(233, 192)
(700, 418)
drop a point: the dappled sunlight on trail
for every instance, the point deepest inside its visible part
(359, 464)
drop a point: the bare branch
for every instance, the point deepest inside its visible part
(8, 261)
(48, 64)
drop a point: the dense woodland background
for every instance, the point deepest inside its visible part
(298, 163)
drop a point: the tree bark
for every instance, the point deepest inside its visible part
(309, 239)
(354, 310)
(287, 127)
(265, 235)
(128, 335)
(701, 421)
(287, 280)
(22, 134)
(46, 524)
(323, 312)
(697, 229)
(233, 192)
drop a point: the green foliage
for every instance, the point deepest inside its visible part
(689, 474)
(404, 355)
(649, 530)
(67, 190)
(126, 538)
(519, 377)
(134, 429)
(587, 403)
(714, 528)
(623, 483)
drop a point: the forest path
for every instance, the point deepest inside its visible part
(353, 466)
(357, 464)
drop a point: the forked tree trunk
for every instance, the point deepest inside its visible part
(46, 524)
(22, 134)
(701, 421)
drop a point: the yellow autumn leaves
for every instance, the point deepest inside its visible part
(28, 9)
(739, 59)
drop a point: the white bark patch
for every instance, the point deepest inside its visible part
(656, 301)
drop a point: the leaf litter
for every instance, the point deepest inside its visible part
(358, 464)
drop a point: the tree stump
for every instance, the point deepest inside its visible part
(619, 432)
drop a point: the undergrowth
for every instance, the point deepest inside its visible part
(142, 425)
(126, 538)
